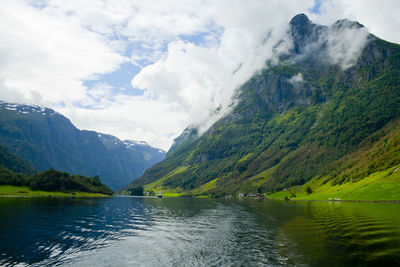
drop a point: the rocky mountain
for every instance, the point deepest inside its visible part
(46, 139)
(328, 112)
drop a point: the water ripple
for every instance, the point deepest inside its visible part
(195, 232)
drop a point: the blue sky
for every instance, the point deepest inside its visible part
(316, 8)
(145, 70)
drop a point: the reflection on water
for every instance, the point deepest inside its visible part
(336, 234)
(126, 231)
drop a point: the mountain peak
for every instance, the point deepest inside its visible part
(29, 110)
(345, 23)
(316, 42)
(300, 19)
(303, 32)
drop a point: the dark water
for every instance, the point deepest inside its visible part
(127, 231)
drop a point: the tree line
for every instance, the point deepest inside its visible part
(53, 180)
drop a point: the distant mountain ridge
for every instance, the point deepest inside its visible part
(47, 139)
(336, 94)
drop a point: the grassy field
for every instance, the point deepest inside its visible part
(171, 194)
(158, 184)
(10, 190)
(379, 186)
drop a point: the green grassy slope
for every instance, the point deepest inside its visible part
(379, 186)
(370, 173)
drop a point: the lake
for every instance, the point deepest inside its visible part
(133, 231)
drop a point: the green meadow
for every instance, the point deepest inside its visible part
(379, 186)
(21, 191)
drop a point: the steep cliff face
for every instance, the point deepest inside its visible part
(46, 139)
(336, 92)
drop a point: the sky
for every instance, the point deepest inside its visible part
(145, 70)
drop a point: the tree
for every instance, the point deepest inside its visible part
(308, 190)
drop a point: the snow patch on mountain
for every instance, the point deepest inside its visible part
(28, 109)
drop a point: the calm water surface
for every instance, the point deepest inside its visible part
(129, 231)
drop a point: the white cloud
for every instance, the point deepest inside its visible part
(131, 117)
(345, 44)
(46, 57)
(49, 48)
(296, 80)
(380, 17)
(339, 44)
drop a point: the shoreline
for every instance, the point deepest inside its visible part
(335, 200)
(52, 196)
(274, 199)
(24, 191)
(88, 195)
